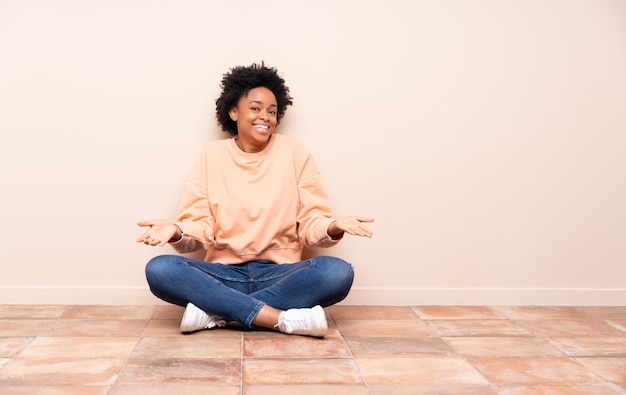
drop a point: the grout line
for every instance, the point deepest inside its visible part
(241, 356)
(463, 357)
(367, 385)
(125, 361)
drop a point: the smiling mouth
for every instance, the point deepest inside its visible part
(262, 127)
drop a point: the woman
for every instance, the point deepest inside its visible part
(252, 202)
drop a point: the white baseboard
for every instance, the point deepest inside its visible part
(78, 295)
(486, 297)
(372, 296)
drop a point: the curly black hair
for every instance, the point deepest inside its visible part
(239, 81)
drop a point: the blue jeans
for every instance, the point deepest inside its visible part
(238, 292)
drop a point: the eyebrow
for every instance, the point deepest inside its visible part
(260, 102)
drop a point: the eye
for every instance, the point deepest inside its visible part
(254, 108)
(272, 112)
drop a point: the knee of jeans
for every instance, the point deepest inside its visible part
(338, 269)
(157, 267)
(348, 273)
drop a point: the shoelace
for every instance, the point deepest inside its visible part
(291, 324)
(216, 320)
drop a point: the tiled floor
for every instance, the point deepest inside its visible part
(120, 350)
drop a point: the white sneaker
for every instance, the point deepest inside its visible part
(195, 319)
(308, 322)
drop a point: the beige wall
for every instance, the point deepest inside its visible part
(487, 138)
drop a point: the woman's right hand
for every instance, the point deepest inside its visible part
(159, 233)
(351, 225)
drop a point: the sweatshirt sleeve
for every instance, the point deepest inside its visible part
(314, 214)
(194, 216)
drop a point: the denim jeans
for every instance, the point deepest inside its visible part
(238, 292)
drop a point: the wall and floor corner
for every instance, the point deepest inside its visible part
(487, 138)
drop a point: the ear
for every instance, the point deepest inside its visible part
(233, 114)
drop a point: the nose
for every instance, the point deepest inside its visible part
(263, 115)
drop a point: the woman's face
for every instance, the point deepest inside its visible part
(255, 115)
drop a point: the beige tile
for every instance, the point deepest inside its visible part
(262, 332)
(10, 346)
(432, 389)
(55, 390)
(591, 346)
(100, 312)
(613, 369)
(533, 371)
(32, 312)
(206, 371)
(476, 328)
(456, 312)
(60, 371)
(294, 347)
(590, 389)
(371, 313)
(79, 347)
(503, 346)
(604, 312)
(398, 347)
(308, 389)
(139, 350)
(300, 371)
(163, 328)
(168, 312)
(171, 328)
(540, 312)
(187, 347)
(23, 328)
(618, 323)
(585, 327)
(384, 328)
(96, 327)
(422, 370)
(267, 333)
(175, 389)
(333, 331)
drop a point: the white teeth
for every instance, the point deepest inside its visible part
(261, 127)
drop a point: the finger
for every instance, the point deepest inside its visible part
(146, 223)
(365, 219)
(143, 237)
(365, 233)
(361, 231)
(355, 232)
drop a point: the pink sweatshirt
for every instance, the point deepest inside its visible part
(254, 206)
